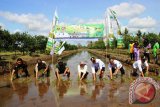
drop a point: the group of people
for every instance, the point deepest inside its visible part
(135, 50)
(98, 68)
(20, 69)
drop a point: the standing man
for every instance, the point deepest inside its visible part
(97, 66)
(19, 68)
(114, 67)
(155, 51)
(136, 57)
(147, 47)
(61, 68)
(82, 71)
(41, 68)
(131, 50)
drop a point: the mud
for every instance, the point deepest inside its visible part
(48, 92)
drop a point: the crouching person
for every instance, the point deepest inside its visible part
(61, 68)
(20, 69)
(41, 69)
(98, 66)
(82, 71)
(114, 67)
(137, 67)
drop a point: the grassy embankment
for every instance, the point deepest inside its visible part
(8, 58)
(123, 56)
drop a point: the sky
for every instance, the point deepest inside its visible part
(35, 16)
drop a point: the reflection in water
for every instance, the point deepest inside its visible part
(71, 93)
(82, 87)
(97, 89)
(62, 87)
(114, 87)
(42, 86)
(73, 62)
(21, 89)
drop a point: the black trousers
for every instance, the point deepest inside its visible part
(147, 55)
(85, 76)
(132, 56)
(121, 69)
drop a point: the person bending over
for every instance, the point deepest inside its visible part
(114, 67)
(41, 69)
(19, 68)
(61, 68)
(137, 66)
(97, 66)
(82, 71)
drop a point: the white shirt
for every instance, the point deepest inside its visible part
(83, 70)
(138, 65)
(116, 64)
(98, 64)
(145, 64)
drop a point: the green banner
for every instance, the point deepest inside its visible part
(79, 31)
(50, 44)
(120, 43)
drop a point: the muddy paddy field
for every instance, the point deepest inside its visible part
(27, 92)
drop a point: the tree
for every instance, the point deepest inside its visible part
(126, 31)
(97, 44)
(139, 35)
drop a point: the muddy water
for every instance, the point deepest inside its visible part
(68, 93)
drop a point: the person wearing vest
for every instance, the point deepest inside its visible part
(131, 50)
(41, 69)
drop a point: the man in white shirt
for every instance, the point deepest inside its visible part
(140, 65)
(97, 66)
(114, 67)
(82, 71)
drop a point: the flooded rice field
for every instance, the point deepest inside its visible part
(27, 92)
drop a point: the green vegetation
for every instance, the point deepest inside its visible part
(70, 47)
(22, 42)
(97, 45)
(140, 37)
(127, 37)
(25, 43)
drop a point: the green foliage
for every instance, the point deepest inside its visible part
(151, 37)
(70, 47)
(21, 41)
(97, 45)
